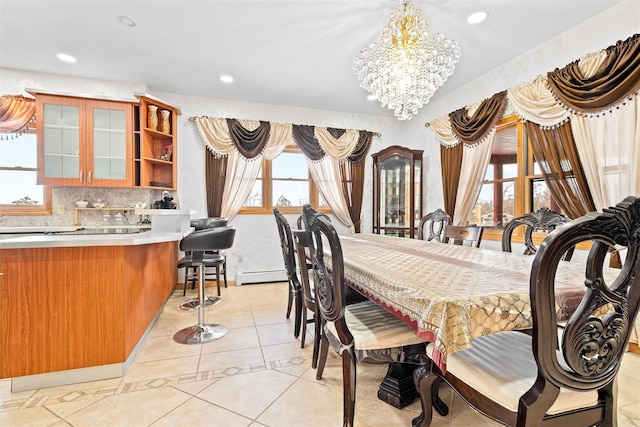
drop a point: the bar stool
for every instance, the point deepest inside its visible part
(198, 242)
(210, 259)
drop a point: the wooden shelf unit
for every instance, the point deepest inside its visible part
(150, 170)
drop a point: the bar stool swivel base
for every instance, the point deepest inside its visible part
(199, 334)
(194, 303)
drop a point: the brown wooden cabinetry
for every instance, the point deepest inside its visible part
(156, 157)
(84, 141)
(397, 191)
(79, 307)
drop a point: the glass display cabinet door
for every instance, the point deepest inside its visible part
(397, 191)
(109, 144)
(61, 151)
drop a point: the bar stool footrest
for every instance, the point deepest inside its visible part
(194, 303)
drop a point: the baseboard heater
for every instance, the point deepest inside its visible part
(246, 277)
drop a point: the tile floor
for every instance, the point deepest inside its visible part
(257, 375)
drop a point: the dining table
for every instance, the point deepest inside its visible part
(451, 294)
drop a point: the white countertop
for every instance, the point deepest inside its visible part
(66, 240)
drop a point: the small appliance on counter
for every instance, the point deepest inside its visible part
(166, 202)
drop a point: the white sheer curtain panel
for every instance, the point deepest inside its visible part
(475, 161)
(241, 175)
(326, 175)
(609, 149)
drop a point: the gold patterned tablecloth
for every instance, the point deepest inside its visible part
(451, 293)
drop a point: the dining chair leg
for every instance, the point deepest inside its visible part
(303, 326)
(322, 358)
(297, 296)
(290, 301)
(349, 386)
(317, 336)
(224, 271)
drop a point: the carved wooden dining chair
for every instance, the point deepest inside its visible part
(465, 236)
(362, 331)
(554, 379)
(436, 221)
(289, 257)
(543, 220)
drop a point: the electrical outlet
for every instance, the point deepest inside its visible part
(239, 259)
(60, 209)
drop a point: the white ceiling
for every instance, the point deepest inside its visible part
(297, 53)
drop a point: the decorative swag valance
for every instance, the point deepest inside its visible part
(16, 114)
(597, 83)
(253, 138)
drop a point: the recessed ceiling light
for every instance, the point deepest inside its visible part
(477, 17)
(125, 20)
(226, 79)
(65, 58)
(371, 98)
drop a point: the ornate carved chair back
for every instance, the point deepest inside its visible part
(465, 236)
(596, 336)
(436, 220)
(544, 220)
(288, 255)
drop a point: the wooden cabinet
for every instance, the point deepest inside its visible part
(155, 144)
(397, 191)
(79, 307)
(84, 141)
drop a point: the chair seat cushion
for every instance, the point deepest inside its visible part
(501, 367)
(209, 260)
(373, 327)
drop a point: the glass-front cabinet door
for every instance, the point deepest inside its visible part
(84, 142)
(397, 191)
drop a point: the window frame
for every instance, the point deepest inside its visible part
(267, 190)
(41, 209)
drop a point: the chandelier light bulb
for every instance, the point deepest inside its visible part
(405, 67)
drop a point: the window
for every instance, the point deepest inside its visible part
(513, 184)
(285, 183)
(19, 193)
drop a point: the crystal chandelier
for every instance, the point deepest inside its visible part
(406, 66)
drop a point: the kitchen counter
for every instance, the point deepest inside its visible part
(68, 240)
(77, 308)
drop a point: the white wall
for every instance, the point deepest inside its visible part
(256, 240)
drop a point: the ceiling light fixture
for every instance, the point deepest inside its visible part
(65, 58)
(407, 64)
(125, 20)
(226, 79)
(477, 17)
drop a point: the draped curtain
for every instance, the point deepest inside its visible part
(244, 142)
(467, 138)
(554, 149)
(601, 92)
(16, 113)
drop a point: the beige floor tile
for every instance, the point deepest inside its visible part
(231, 319)
(6, 394)
(161, 369)
(280, 333)
(66, 409)
(63, 390)
(273, 315)
(461, 414)
(320, 407)
(194, 387)
(199, 413)
(162, 348)
(139, 408)
(230, 359)
(235, 339)
(33, 417)
(287, 351)
(252, 393)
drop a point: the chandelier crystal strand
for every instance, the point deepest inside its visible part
(407, 64)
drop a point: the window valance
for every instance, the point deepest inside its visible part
(16, 113)
(252, 139)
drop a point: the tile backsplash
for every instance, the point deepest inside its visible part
(67, 197)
